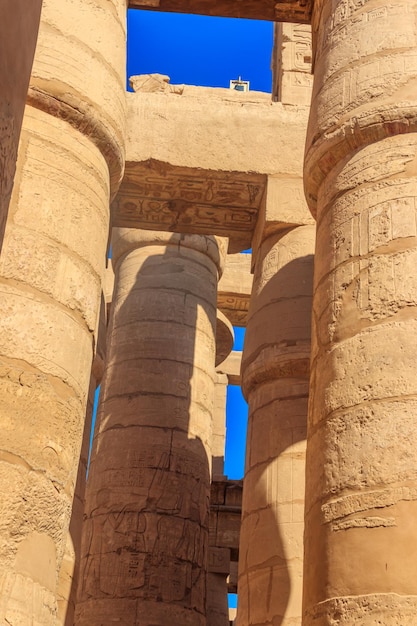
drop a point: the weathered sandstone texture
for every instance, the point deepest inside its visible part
(275, 370)
(200, 162)
(19, 24)
(70, 156)
(219, 425)
(68, 579)
(292, 80)
(235, 287)
(145, 536)
(361, 180)
(217, 602)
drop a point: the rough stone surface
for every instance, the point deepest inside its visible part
(218, 571)
(361, 180)
(202, 163)
(145, 537)
(199, 162)
(275, 369)
(235, 287)
(68, 580)
(219, 426)
(50, 282)
(292, 80)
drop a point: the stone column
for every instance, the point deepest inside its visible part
(219, 426)
(361, 179)
(19, 26)
(217, 599)
(70, 566)
(70, 160)
(145, 537)
(275, 370)
(218, 558)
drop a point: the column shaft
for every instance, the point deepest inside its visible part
(217, 602)
(145, 537)
(361, 178)
(50, 284)
(219, 426)
(275, 369)
(69, 573)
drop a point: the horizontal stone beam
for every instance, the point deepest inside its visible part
(231, 367)
(198, 160)
(271, 10)
(225, 513)
(160, 196)
(235, 287)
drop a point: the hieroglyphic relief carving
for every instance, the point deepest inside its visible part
(159, 196)
(154, 180)
(301, 55)
(292, 56)
(234, 307)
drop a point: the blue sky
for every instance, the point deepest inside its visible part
(199, 50)
(206, 51)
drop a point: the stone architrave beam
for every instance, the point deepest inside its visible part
(225, 513)
(199, 161)
(272, 10)
(235, 287)
(231, 367)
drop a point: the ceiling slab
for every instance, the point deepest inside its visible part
(271, 10)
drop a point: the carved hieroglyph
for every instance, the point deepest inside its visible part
(158, 196)
(361, 180)
(50, 284)
(145, 536)
(275, 369)
(292, 80)
(235, 287)
(199, 162)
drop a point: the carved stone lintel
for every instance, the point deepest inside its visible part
(282, 11)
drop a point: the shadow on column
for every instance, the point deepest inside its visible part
(275, 372)
(145, 534)
(69, 571)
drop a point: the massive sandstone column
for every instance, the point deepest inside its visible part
(70, 161)
(219, 426)
(145, 537)
(218, 558)
(361, 178)
(69, 572)
(275, 368)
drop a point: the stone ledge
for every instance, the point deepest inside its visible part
(271, 10)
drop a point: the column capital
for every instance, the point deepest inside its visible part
(124, 240)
